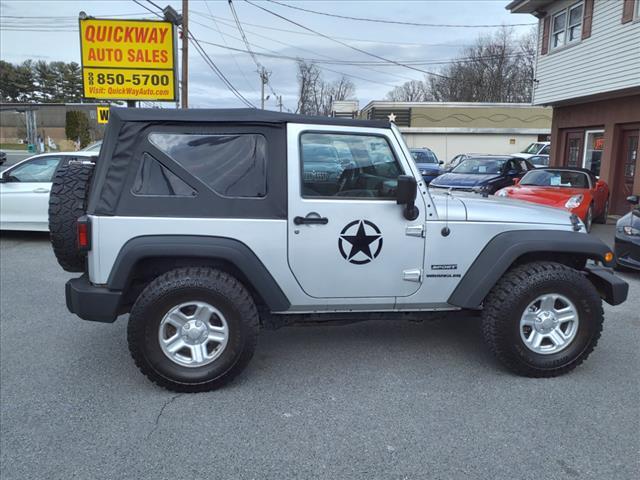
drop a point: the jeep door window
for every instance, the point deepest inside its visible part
(36, 170)
(372, 171)
(232, 165)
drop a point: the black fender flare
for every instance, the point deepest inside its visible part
(197, 246)
(505, 248)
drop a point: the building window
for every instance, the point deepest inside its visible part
(566, 26)
(593, 148)
(575, 23)
(637, 14)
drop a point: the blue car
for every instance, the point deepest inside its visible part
(488, 172)
(427, 163)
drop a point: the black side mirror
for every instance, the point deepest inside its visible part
(406, 195)
(441, 162)
(633, 199)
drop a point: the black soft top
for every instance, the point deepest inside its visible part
(233, 115)
(126, 140)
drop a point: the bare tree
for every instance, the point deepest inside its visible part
(412, 91)
(315, 94)
(497, 68)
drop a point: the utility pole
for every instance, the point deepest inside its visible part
(185, 53)
(280, 102)
(264, 79)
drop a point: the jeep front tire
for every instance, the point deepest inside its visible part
(193, 329)
(542, 319)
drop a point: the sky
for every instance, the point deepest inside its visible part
(48, 30)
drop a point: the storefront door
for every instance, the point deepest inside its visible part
(630, 140)
(573, 149)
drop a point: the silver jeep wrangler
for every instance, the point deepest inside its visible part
(205, 225)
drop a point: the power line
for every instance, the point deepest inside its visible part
(355, 63)
(244, 37)
(402, 77)
(398, 22)
(278, 56)
(217, 71)
(210, 63)
(262, 71)
(225, 42)
(345, 44)
(63, 17)
(227, 21)
(148, 9)
(155, 5)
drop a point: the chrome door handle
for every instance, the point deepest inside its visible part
(41, 190)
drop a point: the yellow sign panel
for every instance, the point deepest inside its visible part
(103, 114)
(128, 59)
(128, 84)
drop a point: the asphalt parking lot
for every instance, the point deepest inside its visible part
(367, 400)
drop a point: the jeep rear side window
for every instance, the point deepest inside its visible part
(342, 165)
(153, 178)
(232, 165)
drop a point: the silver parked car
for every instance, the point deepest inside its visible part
(24, 191)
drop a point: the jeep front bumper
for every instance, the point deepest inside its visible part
(89, 302)
(611, 288)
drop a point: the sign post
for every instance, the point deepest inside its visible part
(129, 60)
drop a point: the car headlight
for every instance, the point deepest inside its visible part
(574, 201)
(502, 193)
(629, 230)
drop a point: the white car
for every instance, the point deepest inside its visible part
(536, 148)
(24, 191)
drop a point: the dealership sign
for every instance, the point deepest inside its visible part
(128, 59)
(102, 112)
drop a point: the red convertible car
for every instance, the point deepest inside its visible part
(576, 189)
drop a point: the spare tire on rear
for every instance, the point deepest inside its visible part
(67, 203)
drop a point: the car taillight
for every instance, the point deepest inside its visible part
(83, 233)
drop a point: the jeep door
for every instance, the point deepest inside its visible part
(347, 235)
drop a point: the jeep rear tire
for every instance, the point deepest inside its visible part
(193, 329)
(542, 319)
(67, 203)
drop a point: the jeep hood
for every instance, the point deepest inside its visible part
(500, 209)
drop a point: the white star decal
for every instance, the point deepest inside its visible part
(392, 117)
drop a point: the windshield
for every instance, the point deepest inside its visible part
(95, 147)
(424, 156)
(556, 178)
(533, 148)
(540, 160)
(480, 166)
(320, 153)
